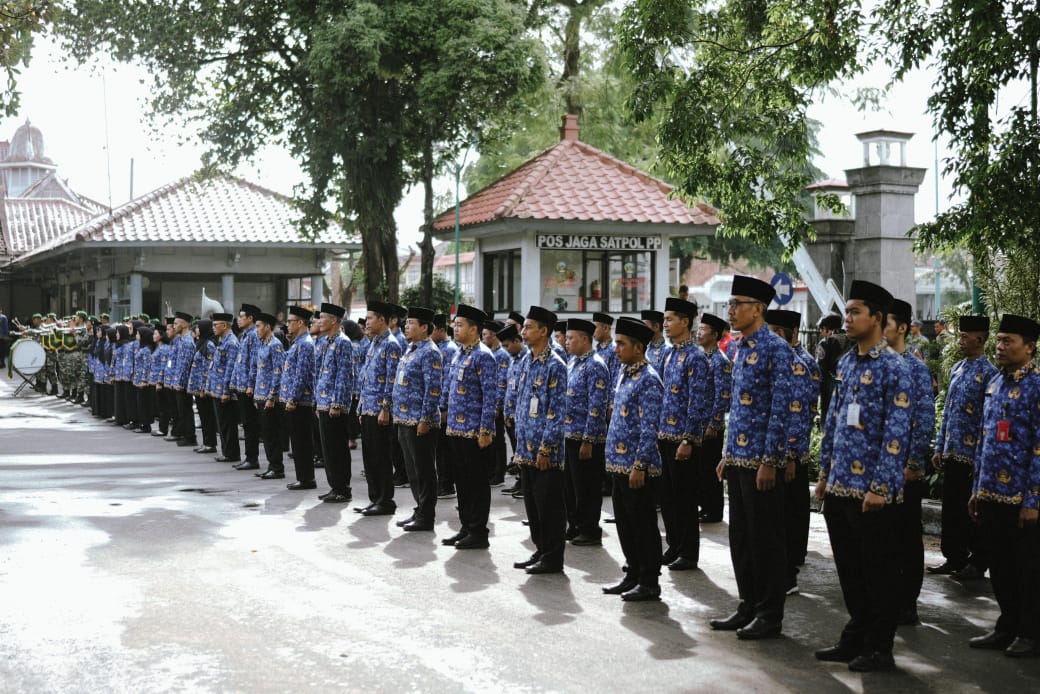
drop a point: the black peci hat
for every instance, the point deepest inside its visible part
(267, 318)
(224, 317)
(902, 311)
(516, 317)
(301, 312)
(333, 310)
(186, 317)
(582, 325)
(399, 311)
(543, 316)
(652, 316)
(471, 313)
(870, 293)
(423, 315)
(832, 321)
(686, 308)
(603, 318)
(973, 324)
(635, 329)
(170, 319)
(791, 320)
(508, 333)
(758, 290)
(440, 320)
(560, 327)
(381, 308)
(493, 325)
(1019, 325)
(250, 310)
(720, 326)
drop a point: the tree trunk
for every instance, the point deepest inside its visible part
(426, 245)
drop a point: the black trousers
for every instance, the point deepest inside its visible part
(757, 543)
(250, 421)
(121, 390)
(961, 541)
(796, 521)
(130, 399)
(334, 451)
(1014, 568)
(226, 412)
(585, 483)
(498, 470)
(710, 490)
(298, 424)
(445, 468)
(419, 454)
(682, 528)
(377, 452)
(185, 416)
(866, 556)
(163, 410)
(471, 467)
(910, 539)
(399, 474)
(270, 419)
(146, 405)
(635, 513)
(546, 512)
(207, 420)
(106, 400)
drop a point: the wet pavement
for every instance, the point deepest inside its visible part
(130, 565)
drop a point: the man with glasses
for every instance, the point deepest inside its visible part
(753, 461)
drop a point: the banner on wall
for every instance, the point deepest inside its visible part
(567, 242)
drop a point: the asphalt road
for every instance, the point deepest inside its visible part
(130, 565)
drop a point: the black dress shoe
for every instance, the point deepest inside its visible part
(328, 493)
(873, 662)
(944, 568)
(362, 509)
(543, 568)
(271, 475)
(449, 541)
(669, 556)
(837, 654)
(247, 465)
(518, 494)
(337, 498)
(319, 463)
(417, 526)
(531, 561)
(379, 510)
(737, 620)
(969, 573)
(445, 493)
(184, 443)
(571, 533)
(297, 486)
(472, 542)
(1023, 648)
(705, 518)
(158, 433)
(222, 459)
(642, 593)
(206, 449)
(511, 490)
(759, 629)
(406, 521)
(626, 585)
(994, 640)
(682, 564)
(587, 541)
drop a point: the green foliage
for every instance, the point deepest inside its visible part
(20, 21)
(443, 295)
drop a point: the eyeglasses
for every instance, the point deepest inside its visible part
(294, 320)
(733, 303)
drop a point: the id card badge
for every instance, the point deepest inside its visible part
(462, 372)
(532, 409)
(1003, 430)
(852, 417)
(400, 377)
(169, 363)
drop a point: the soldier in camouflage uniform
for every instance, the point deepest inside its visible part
(80, 376)
(51, 343)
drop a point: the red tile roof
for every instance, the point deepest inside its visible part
(574, 181)
(222, 210)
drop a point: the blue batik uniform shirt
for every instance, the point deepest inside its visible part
(1008, 472)
(333, 372)
(200, 363)
(183, 351)
(270, 359)
(686, 403)
(655, 352)
(606, 352)
(869, 456)
(585, 408)
(224, 358)
(632, 434)
(471, 394)
(805, 387)
(719, 387)
(158, 368)
(509, 403)
(142, 366)
(297, 385)
(922, 416)
(377, 376)
(960, 432)
(504, 360)
(417, 388)
(759, 409)
(541, 391)
(243, 376)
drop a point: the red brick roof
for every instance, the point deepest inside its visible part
(574, 181)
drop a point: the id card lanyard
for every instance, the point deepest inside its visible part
(1004, 426)
(852, 416)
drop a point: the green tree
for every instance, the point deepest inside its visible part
(20, 21)
(441, 300)
(345, 85)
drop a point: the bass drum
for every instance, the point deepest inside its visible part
(27, 357)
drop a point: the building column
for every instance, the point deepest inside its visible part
(318, 291)
(227, 294)
(136, 294)
(662, 274)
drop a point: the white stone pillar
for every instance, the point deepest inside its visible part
(318, 290)
(227, 294)
(136, 294)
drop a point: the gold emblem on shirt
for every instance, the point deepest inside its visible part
(752, 358)
(621, 448)
(893, 447)
(795, 406)
(857, 467)
(1003, 477)
(867, 378)
(902, 400)
(746, 399)
(742, 440)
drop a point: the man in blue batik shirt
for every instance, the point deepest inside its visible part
(448, 350)
(377, 434)
(489, 336)
(183, 349)
(243, 376)
(541, 392)
(270, 359)
(633, 462)
(585, 431)
(468, 419)
(909, 528)
(863, 455)
(718, 386)
(684, 414)
(333, 390)
(416, 398)
(1006, 494)
(605, 349)
(509, 336)
(296, 397)
(218, 388)
(656, 349)
(805, 393)
(753, 463)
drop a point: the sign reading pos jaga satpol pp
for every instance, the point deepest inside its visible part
(569, 242)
